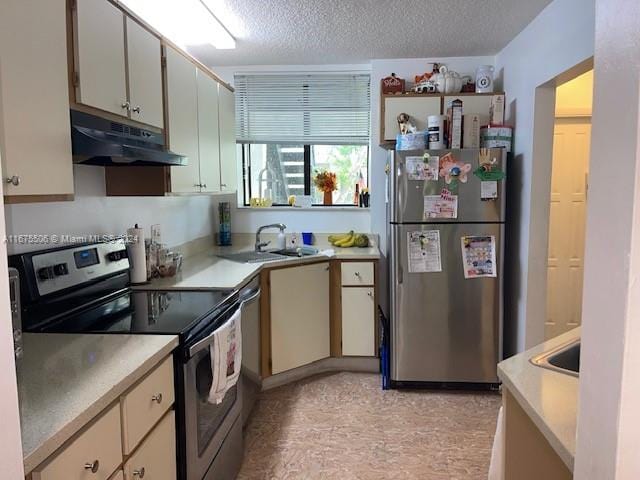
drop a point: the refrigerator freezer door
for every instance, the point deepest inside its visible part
(406, 196)
(445, 328)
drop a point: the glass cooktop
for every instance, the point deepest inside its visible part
(154, 312)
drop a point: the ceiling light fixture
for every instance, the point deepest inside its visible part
(184, 22)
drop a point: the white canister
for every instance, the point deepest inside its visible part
(435, 132)
(484, 79)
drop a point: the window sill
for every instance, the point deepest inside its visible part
(318, 208)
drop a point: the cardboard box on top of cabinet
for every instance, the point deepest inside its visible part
(454, 121)
(496, 110)
(471, 130)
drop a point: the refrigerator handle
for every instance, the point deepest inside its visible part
(400, 275)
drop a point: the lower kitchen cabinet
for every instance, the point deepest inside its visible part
(358, 321)
(156, 457)
(299, 315)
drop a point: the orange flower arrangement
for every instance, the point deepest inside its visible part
(326, 181)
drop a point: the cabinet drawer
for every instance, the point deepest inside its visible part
(357, 273)
(358, 321)
(145, 404)
(99, 445)
(156, 457)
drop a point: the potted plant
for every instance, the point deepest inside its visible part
(327, 183)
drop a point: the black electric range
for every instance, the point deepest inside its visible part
(85, 289)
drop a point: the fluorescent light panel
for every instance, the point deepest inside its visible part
(184, 22)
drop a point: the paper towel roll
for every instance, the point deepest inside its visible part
(137, 256)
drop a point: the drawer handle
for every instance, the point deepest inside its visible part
(92, 466)
(139, 473)
(370, 294)
(136, 109)
(158, 399)
(357, 274)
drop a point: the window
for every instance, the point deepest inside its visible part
(293, 126)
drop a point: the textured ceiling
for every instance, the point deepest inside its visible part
(288, 32)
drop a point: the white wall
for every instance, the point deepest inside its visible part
(182, 218)
(609, 414)
(561, 37)
(11, 465)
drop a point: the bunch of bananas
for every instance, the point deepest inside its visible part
(350, 239)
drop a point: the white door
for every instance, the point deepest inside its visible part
(100, 56)
(228, 156)
(208, 135)
(299, 315)
(183, 121)
(567, 215)
(144, 57)
(358, 321)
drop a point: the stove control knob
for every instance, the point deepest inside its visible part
(117, 255)
(46, 273)
(61, 269)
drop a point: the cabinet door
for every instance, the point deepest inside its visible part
(477, 104)
(299, 316)
(144, 59)
(228, 152)
(358, 321)
(34, 92)
(156, 457)
(208, 136)
(100, 59)
(183, 121)
(418, 107)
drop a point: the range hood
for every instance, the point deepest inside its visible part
(98, 141)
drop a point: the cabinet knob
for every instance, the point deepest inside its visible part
(126, 106)
(93, 466)
(370, 294)
(357, 274)
(224, 185)
(199, 185)
(157, 398)
(13, 180)
(136, 109)
(139, 473)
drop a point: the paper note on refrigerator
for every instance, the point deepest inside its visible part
(423, 168)
(479, 256)
(424, 251)
(488, 190)
(440, 206)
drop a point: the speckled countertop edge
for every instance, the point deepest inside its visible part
(550, 398)
(37, 447)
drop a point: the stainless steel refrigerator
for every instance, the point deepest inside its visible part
(446, 288)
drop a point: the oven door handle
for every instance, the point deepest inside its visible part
(250, 298)
(208, 340)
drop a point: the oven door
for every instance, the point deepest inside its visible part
(206, 424)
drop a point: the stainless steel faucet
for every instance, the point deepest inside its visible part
(259, 244)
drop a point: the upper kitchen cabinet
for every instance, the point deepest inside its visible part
(228, 155)
(144, 59)
(182, 114)
(418, 107)
(208, 137)
(34, 102)
(117, 63)
(100, 70)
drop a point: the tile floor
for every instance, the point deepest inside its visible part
(343, 426)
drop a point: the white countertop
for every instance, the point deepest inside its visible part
(550, 398)
(65, 380)
(206, 271)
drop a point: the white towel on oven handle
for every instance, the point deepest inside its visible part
(226, 358)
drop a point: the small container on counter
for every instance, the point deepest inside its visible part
(307, 238)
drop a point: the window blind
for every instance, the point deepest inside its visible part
(329, 109)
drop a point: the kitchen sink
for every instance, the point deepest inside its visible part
(563, 359)
(251, 256)
(295, 252)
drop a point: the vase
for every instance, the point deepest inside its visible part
(328, 198)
